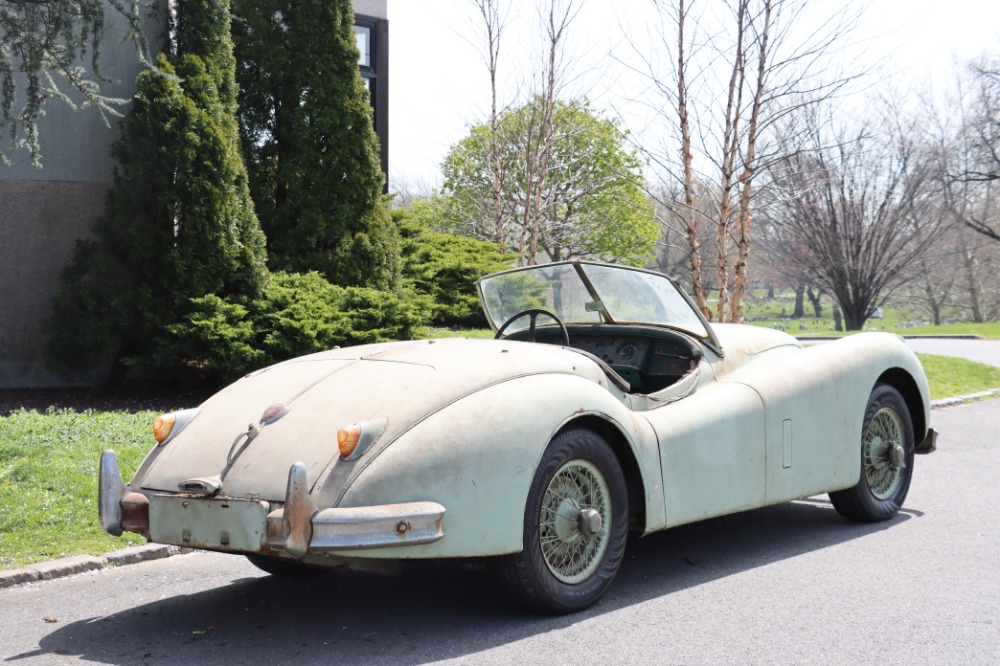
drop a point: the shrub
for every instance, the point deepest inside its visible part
(310, 145)
(179, 224)
(445, 267)
(301, 314)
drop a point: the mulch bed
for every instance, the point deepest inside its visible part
(99, 399)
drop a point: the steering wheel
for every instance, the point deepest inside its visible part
(533, 315)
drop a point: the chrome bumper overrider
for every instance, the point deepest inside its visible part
(298, 527)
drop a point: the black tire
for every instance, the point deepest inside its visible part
(886, 460)
(285, 568)
(580, 486)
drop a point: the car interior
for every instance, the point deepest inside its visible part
(640, 359)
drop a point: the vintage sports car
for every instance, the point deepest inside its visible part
(606, 403)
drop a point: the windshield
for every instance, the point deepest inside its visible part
(618, 295)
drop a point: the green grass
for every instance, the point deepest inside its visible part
(949, 376)
(48, 480)
(49, 465)
(481, 333)
(989, 330)
(898, 317)
(824, 327)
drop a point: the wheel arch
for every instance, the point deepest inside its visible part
(634, 481)
(903, 381)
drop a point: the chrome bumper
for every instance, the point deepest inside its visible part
(297, 528)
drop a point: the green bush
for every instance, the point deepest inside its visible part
(300, 314)
(309, 142)
(179, 224)
(217, 337)
(445, 267)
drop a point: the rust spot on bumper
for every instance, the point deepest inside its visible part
(135, 513)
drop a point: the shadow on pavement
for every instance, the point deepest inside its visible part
(430, 612)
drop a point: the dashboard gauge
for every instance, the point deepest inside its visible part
(628, 353)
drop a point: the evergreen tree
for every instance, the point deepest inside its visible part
(179, 221)
(310, 146)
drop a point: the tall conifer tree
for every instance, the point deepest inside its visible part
(179, 222)
(311, 149)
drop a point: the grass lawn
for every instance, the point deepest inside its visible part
(49, 464)
(988, 331)
(48, 480)
(949, 376)
(896, 318)
(811, 327)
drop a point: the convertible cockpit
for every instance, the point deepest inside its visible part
(638, 325)
(647, 359)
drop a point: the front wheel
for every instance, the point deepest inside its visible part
(886, 460)
(575, 526)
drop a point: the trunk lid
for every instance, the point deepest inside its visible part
(403, 382)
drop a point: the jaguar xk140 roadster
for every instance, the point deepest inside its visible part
(606, 403)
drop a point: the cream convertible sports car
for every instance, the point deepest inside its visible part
(605, 404)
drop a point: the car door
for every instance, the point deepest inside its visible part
(712, 450)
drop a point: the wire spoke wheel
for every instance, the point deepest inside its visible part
(887, 445)
(575, 508)
(883, 454)
(576, 520)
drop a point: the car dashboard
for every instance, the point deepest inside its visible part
(650, 360)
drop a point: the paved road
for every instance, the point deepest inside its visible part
(981, 351)
(792, 584)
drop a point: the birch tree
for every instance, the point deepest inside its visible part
(493, 14)
(591, 201)
(721, 92)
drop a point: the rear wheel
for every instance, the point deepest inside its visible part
(886, 460)
(575, 526)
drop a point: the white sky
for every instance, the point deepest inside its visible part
(438, 83)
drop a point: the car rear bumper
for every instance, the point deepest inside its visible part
(296, 526)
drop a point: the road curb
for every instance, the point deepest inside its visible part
(961, 399)
(67, 566)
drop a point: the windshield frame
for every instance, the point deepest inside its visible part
(598, 310)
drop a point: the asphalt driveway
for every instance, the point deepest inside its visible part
(980, 351)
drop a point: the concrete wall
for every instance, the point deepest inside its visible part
(39, 223)
(373, 8)
(44, 210)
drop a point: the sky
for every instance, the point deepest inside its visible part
(439, 87)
